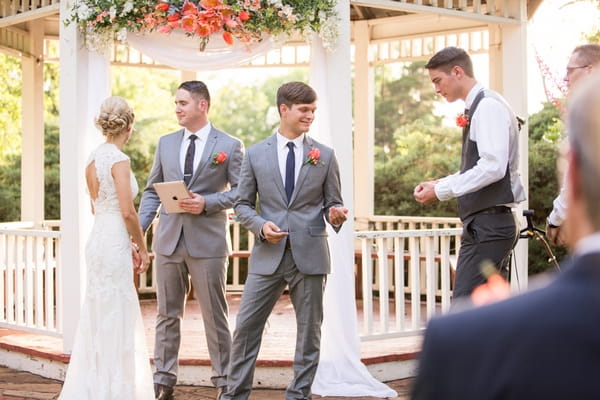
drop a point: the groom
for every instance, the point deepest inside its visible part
(296, 181)
(194, 243)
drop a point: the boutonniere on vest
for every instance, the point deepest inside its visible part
(219, 158)
(462, 120)
(313, 157)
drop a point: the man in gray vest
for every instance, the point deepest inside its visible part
(488, 183)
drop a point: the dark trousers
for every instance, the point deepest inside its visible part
(486, 237)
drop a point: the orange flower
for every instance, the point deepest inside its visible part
(221, 156)
(462, 120)
(208, 4)
(313, 157)
(228, 38)
(244, 16)
(189, 8)
(173, 18)
(162, 6)
(188, 23)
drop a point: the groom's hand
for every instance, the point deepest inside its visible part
(194, 205)
(272, 233)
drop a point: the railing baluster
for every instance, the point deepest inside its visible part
(382, 263)
(430, 275)
(367, 285)
(399, 282)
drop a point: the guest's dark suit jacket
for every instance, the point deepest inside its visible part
(544, 344)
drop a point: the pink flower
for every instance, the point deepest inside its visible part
(462, 120)
(220, 157)
(313, 157)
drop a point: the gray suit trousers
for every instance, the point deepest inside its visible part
(172, 278)
(261, 292)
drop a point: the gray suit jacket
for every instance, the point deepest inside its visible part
(206, 235)
(316, 190)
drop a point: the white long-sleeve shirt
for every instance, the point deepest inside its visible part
(490, 129)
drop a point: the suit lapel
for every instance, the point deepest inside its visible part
(307, 146)
(273, 164)
(174, 147)
(206, 157)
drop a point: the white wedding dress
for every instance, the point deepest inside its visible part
(110, 357)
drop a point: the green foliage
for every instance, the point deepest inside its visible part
(10, 106)
(401, 96)
(424, 152)
(545, 121)
(52, 171)
(249, 112)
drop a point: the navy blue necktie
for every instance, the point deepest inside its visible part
(188, 165)
(290, 164)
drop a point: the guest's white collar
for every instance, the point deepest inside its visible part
(282, 141)
(202, 133)
(589, 244)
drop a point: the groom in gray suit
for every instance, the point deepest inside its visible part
(194, 243)
(296, 181)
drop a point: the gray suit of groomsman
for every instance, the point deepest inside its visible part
(298, 189)
(194, 243)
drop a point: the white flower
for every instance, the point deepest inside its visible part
(128, 6)
(122, 35)
(112, 12)
(83, 11)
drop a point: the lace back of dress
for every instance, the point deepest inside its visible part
(104, 158)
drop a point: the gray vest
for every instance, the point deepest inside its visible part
(494, 194)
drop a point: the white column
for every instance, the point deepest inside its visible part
(508, 75)
(84, 84)
(32, 122)
(364, 125)
(340, 371)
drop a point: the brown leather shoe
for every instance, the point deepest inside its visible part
(163, 392)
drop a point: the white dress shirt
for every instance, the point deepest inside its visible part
(490, 127)
(282, 152)
(200, 142)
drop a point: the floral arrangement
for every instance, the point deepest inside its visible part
(219, 158)
(313, 157)
(462, 120)
(102, 21)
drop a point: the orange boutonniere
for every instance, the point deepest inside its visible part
(313, 157)
(219, 158)
(462, 120)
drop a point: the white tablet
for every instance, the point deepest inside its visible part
(170, 193)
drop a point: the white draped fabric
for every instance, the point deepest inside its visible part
(180, 51)
(340, 372)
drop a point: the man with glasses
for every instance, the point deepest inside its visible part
(584, 60)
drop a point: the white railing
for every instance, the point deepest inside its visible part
(397, 268)
(29, 278)
(401, 263)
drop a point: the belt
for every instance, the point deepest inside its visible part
(495, 210)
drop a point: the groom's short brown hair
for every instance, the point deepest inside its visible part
(295, 93)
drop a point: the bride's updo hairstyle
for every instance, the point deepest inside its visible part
(115, 118)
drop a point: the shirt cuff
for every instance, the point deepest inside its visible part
(442, 190)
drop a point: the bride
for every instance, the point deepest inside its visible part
(110, 357)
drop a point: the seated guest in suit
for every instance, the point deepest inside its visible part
(544, 344)
(289, 187)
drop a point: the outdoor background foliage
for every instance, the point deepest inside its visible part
(412, 142)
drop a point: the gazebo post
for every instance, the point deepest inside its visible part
(32, 122)
(364, 127)
(84, 83)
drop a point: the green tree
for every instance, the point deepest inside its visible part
(10, 106)
(423, 152)
(403, 94)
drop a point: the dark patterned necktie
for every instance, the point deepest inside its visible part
(290, 164)
(188, 165)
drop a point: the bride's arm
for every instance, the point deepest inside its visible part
(121, 173)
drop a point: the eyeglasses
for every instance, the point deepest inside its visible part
(571, 69)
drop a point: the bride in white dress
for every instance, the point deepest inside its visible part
(110, 357)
